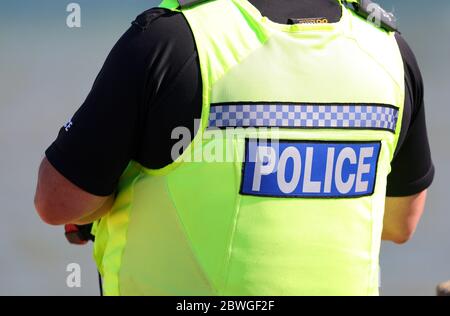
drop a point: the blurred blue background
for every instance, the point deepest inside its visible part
(46, 71)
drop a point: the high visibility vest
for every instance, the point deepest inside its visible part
(282, 190)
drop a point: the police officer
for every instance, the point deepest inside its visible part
(326, 105)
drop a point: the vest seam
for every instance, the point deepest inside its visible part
(238, 63)
(129, 210)
(372, 57)
(193, 253)
(233, 232)
(204, 60)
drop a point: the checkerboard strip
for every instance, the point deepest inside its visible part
(304, 116)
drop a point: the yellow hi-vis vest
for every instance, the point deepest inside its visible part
(282, 191)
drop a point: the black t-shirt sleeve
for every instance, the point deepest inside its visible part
(105, 133)
(412, 167)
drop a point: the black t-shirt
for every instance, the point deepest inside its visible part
(151, 84)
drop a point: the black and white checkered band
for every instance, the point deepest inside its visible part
(327, 116)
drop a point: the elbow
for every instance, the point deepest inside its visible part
(46, 211)
(401, 240)
(402, 217)
(401, 237)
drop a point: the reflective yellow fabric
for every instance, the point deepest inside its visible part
(186, 230)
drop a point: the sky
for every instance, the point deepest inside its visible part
(46, 71)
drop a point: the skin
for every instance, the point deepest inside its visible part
(60, 202)
(402, 216)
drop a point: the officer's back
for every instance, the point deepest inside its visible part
(281, 187)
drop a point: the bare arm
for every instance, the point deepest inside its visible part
(402, 214)
(59, 202)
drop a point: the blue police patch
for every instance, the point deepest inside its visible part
(310, 169)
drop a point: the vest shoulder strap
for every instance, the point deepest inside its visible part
(374, 13)
(184, 4)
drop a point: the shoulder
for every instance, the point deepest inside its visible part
(159, 41)
(408, 55)
(413, 75)
(157, 17)
(158, 33)
(161, 23)
(152, 29)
